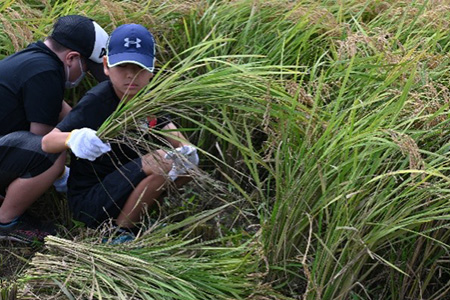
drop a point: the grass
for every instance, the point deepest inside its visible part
(324, 123)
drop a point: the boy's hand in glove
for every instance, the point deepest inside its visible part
(85, 143)
(184, 158)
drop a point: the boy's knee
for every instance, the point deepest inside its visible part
(154, 163)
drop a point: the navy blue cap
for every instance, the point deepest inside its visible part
(131, 43)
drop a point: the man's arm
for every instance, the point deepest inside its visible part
(43, 129)
(65, 109)
(39, 128)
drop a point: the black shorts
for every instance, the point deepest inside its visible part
(106, 199)
(21, 156)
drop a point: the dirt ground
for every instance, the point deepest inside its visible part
(15, 256)
(13, 259)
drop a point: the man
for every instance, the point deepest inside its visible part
(32, 84)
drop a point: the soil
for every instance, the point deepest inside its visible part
(15, 256)
(13, 259)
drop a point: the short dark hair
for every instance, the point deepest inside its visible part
(57, 47)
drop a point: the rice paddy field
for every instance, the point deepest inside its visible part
(323, 132)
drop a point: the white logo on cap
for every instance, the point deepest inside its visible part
(128, 42)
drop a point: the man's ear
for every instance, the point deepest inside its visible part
(105, 65)
(70, 57)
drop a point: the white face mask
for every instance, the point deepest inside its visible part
(72, 84)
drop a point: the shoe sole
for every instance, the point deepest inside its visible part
(14, 239)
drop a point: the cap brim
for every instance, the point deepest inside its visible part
(145, 61)
(96, 70)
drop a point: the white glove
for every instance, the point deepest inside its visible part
(184, 158)
(60, 184)
(85, 143)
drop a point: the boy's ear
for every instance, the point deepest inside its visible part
(105, 65)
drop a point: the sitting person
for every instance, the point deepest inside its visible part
(32, 83)
(112, 180)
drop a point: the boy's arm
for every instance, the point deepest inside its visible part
(184, 155)
(83, 142)
(55, 141)
(178, 140)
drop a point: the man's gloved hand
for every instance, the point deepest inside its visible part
(60, 184)
(85, 143)
(184, 158)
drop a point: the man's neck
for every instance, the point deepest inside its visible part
(61, 55)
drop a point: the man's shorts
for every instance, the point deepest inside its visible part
(21, 156)
(106, 199)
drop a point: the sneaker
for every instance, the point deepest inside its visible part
(25, 231)
(118, 236)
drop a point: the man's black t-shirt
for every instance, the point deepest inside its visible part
(92, 110)
(31, 88)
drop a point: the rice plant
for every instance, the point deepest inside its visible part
(159, 264)
(8, 292)
(365, 185)
(328, 120)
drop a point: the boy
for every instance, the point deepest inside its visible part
(32, 84)
(113, 180)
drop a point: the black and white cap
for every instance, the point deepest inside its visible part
(83, 35)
